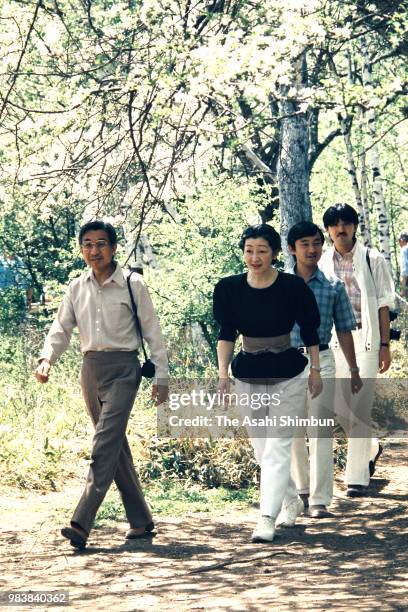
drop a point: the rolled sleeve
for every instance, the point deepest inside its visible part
(384, 283)
(151, 329)
(59, 335)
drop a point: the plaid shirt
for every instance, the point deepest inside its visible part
(334, 307)
(344, 269)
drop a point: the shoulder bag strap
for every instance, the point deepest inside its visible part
(136, 318)
(369, 263)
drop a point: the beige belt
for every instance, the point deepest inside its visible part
(272, 344)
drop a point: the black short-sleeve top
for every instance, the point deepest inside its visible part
(271, 311)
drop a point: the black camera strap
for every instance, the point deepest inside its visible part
(136, 318)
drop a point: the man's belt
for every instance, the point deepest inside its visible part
(322, 347)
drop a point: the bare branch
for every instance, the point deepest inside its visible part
(20, 59)
(257, 161)
(375, 142)
(319, 148)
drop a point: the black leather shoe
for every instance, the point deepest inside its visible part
(135, 533)
(356, 491)
(371, 465)
(305, 499)
(77, 540)
(319, 512)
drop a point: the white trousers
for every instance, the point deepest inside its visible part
(313, 471)
(272, 444)
(354, 411)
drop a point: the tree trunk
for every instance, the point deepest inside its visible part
(141, 255)
(364, 200)
(293, 165)
(378, 193)
(352, 170)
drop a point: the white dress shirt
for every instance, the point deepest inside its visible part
(104, 316)
(376, 287)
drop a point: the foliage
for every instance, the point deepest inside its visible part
(196, 247)
(12, 309)
(121, 109)
(123, 105)
(211, 463)
(169, 119)
(46, 246)
(39, 425)
(45, 430)
(46, 433)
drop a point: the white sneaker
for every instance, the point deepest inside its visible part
(288, 514)
(264, 530)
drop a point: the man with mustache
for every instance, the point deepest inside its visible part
(370, 288)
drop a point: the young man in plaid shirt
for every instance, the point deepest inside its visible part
(313, 474)
(370, 287)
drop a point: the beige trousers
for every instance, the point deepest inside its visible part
(354, 412)
(313, 471)
(109, 383)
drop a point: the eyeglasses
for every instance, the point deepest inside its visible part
(99, 244)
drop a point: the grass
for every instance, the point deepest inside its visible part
(42, 426)
(46, 438)
(44, 429)
(46, 433)
(171, 498)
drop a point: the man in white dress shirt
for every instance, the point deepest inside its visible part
(98, 302)
(370, 289)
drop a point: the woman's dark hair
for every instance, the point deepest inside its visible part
(263, 230)
(340, 212)
(91, 226)
(303, 229)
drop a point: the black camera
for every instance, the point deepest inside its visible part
(395, 334)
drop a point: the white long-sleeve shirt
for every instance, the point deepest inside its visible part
(104, 317)
(376, 287)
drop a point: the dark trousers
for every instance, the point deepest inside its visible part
(109, 383)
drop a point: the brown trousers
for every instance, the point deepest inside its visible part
(109, 383)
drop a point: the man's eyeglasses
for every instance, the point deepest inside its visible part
(99, 244)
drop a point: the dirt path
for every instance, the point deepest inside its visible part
(356, 560)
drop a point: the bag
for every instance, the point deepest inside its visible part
(148, 368)
(267, 366)
(395, 334)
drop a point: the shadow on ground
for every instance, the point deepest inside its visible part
(356, 559)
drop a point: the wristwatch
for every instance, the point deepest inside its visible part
(354, 370)
(385, 344)
(314, 367)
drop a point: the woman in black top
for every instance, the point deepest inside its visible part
(262, 305)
